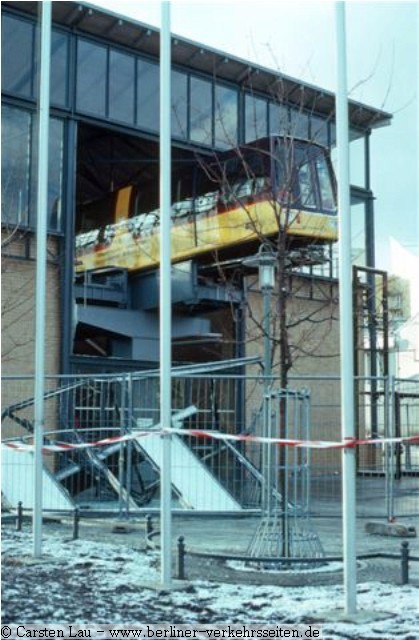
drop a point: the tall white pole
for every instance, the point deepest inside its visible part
(165, 295)
(346, 326)
(41, 271)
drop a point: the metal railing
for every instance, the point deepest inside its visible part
(124, 477)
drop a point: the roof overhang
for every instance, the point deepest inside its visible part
(92, 20)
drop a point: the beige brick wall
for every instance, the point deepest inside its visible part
(18, 325)
(315, 343)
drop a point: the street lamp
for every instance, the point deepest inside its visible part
(266, 261)
(284, 529)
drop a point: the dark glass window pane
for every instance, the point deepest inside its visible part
(121, 86)
(201, 111)
(256, 123)
(319, 130)
(278, 119)
(299, 125)
(179, 104)
(226, 117)
(148, 95)
(91, 78)
(17, 56)
(55, 174)
(15, 145)
(59, 68)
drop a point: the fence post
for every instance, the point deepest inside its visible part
(122, 452)
(148, 527)
(404, 562)
(19, 516)
(129, 426)
(76, 523)
(181, 558)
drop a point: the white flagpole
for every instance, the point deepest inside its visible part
(346, 326)
(41, 272)
(165, 296)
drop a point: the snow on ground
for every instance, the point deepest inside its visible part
(84, 582)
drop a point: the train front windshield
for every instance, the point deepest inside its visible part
(304, 176)
(297, 172)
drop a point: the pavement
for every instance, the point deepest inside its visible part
(231, 535)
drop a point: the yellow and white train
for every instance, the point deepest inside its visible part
(249, 193)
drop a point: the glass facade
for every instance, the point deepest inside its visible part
(179, 121)
(148, 95)
(17, 54)
(91, 78)
(55, 174)
(105, 81)
(256, 117)
(19, 60)
(15, 172)
(225, 117)
(278, 119)
(299, 124)
(201, 117)
(121, 86)
(319, 131)
(59, 68)
(18, 188)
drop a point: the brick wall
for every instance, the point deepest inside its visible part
(314, 309)
(18, 323)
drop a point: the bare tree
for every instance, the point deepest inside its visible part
(245, 180)
(18, 297)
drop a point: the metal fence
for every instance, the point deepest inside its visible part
(208, 474)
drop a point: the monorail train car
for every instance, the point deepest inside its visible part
(245, 194)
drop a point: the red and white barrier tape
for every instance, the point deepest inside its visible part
(214, 435)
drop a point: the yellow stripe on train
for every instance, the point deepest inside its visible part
(212, 232)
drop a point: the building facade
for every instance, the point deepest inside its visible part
(103, 136)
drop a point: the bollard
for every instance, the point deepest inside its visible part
(76, 523)
(19, 516)
(181, 558)
(148, 527)
(404, 562)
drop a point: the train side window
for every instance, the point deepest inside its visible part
(206, 203)
(182, 209)
(241, 189)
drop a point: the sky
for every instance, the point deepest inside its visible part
(298, 39)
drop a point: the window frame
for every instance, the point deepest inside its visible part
(31, 95)
(81, 108)
(29, 221)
